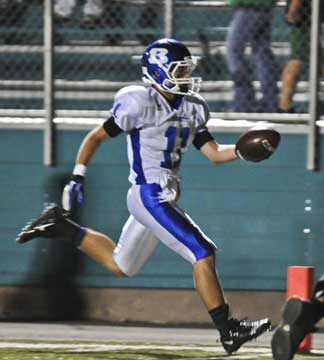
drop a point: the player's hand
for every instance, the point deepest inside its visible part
(292, 19)
(73, 190)
(293, 15)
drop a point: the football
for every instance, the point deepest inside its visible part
(257, 144)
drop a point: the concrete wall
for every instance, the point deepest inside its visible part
(137, 306)
(263, 217)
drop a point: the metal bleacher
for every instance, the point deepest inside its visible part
(88, 71)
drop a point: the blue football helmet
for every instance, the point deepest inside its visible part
(168, 64)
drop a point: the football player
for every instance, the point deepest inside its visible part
(299, 318)
(160, 122)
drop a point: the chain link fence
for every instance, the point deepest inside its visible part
(243, 51)
(21, 25)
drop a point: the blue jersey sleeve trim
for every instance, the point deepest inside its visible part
(137, 160)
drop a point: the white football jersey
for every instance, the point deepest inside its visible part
(157, 133)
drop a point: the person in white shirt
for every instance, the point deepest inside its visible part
(63, 9)
(160, 122)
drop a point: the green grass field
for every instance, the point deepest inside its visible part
(50, 350)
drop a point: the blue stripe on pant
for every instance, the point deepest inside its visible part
(176, 222)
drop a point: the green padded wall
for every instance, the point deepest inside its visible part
(263, 217)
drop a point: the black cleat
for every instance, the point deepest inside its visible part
(242, 331)
(318, 289)
(44, 226)
(297, 321)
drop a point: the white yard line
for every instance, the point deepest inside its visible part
(244, 352)
(115, 347)
(100, 347)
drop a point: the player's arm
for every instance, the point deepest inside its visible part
(93, 140)
(90, 144)
(256, 144)
(205, 142)
(218, 153)
(74, 189)
(293, 14)
(214, 152)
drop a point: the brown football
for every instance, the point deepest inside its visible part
(257, 144)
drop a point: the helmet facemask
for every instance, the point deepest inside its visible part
(173, 77)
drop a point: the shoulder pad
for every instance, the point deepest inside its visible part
(133, 93)
(130, 105)
(196, 99)
(200, 104)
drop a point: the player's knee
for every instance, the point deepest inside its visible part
(208, 256)
(206, 263)
(124, 268)
(127, 272)
(119, 273)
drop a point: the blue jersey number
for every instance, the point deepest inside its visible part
(171, 135)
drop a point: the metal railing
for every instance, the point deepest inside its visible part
(49, 89)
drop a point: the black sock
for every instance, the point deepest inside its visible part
(319, 289)
(318, 310)
(220, 317)
(68, 230)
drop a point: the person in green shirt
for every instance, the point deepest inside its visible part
(251, 24)
(298, 16)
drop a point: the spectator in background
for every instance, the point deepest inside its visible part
(251, 23)
(96, 14)
(298, 319)
(298, 16)
(92, 10)
(109, 15)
